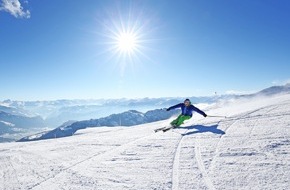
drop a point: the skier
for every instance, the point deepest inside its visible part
(187, 108)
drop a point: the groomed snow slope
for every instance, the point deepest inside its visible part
(248, 150)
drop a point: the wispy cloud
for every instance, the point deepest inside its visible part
(281, 82)
(15, 8)
(237, 92)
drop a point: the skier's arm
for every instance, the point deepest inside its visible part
(199, 111)
(174, 107)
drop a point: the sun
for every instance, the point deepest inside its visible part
(127, 42)
(128, 38)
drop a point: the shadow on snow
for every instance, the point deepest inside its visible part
(203, 129)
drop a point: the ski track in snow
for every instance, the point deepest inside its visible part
(176, 161)
(201, 166)
(238, 119)
(246, 116)
(9, 174)
(257, 121)
(175, 167)
(88, 158)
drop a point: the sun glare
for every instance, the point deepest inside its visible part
(127, 42)
(128, 38)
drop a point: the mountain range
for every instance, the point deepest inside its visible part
(128, 118)
(22, 118)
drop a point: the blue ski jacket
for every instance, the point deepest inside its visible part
(187, 110)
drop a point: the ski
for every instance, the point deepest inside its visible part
(167, 129)
(164, 129)
(160, 129)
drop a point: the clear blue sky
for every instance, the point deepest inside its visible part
(53, 49)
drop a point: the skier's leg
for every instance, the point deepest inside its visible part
(174, 122)
(182, 119)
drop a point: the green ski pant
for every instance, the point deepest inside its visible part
(179, 120)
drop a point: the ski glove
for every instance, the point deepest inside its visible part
(167, 109)
(204, 115)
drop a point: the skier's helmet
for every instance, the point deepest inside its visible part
(187, 101)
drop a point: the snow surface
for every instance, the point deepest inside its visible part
(250, 149)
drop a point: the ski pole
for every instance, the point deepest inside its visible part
(216, 116)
